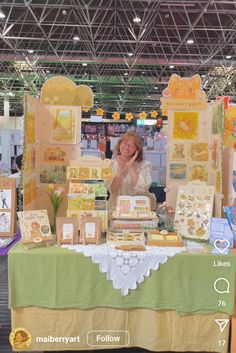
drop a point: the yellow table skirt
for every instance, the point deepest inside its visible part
(148, 329)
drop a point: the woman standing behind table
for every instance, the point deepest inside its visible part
(132, 174)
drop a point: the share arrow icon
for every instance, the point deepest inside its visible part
(222, 323)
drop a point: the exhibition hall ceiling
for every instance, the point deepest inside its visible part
(126, 50)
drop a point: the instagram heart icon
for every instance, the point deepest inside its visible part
(221, 245)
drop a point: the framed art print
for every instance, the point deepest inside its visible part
(7, 206)
(90, 230)
(67, 230)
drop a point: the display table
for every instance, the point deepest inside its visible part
(174, 309)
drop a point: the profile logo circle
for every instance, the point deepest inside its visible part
(20, 338)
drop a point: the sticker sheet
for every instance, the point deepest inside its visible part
(194, 210)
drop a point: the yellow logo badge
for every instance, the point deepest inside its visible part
(20, 339)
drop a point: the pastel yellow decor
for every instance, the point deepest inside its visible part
(142, 115)
(85, 109)
(185, 125)
(129, 116)
(184, 88)
(116, 116)
(154, 114)
(60, 90)
(230, 127)
(100, 111)
(218, 182)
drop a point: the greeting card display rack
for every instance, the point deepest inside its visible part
(88, 189)
(130, 219)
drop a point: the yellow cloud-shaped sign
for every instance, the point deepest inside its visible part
(60, 90)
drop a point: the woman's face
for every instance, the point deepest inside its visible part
(128, 148)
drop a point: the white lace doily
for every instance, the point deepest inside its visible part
(126, 268)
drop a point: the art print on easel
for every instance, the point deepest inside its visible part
(7, 206)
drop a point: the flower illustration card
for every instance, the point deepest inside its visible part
(178, 151)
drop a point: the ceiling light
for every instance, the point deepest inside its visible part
(91, 86)
(122, 91)
(2, 14)
(155, 87)
(203, 75)
(11, 94)
(30, 51)
(126, 74)
(130, 54)
(190, 41)
(137, 19)
(143, 72)
(171, 66)
(47, 72)
(228, 57)
(64, 12)
(84, 64)
(76, 38)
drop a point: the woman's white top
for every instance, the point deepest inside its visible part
(144, 182)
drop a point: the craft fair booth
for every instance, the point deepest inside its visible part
(111, 289)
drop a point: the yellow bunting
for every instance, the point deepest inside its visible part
(142, 115)
(100, 111)
(129, 116)
(85, 109)
(116, 116)
(154, 114)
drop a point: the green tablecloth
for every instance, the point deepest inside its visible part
(53, 277)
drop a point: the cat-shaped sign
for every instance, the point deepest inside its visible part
(186, 90)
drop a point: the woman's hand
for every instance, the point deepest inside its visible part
(130, 163)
